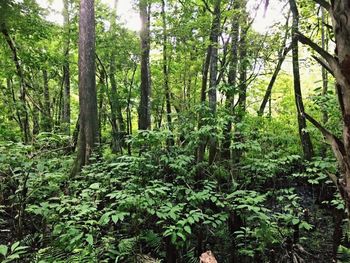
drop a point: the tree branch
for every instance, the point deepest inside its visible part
(207, 7)
(307, 41)
(332, 61)
(323, 64)
(337, 145)
(324, 4)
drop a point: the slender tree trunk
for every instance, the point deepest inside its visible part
(23, 108)
(88, 133)
(47, 121)
(214, 39)
(100, 90)
(170, 141)
(145, 105)
(10, 88)
(66, 71)
(304, 135)
(282, 53)
(203, 141)
(232, 81)
(242, 90)
(324, 75)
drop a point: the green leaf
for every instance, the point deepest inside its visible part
(104, 219)
(3, 250)
(295, 221)
(115, 218)
(95, 186)
(14, 246)
(90, 239)
(188, 229)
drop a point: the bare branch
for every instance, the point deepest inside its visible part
(323, 64)
(307, 41)
(332, 61)
(207, 6)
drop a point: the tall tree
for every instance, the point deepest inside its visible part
(145, 102)
(66, 70)
(23, 108)
(88, 133)
(46, 116)
(304, 134)
(166, 72)
(117, 122)
(282, 53)
(240, 109)
(339, 67)
(212, 96)
(232, 82)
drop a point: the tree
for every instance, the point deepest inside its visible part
(282, 53)
(339, 67)
(304, 134)
(214, 41)
(232, 82)
(145, 103)
(88, 133)
(166, 73)
(66, 70)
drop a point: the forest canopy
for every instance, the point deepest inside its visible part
(174, 131)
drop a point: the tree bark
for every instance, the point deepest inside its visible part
(145, 104)
(304, 134)
(242, 89)
(24, 117)
(324, 45)
(232, 81)
(117, 121)
(88, 133)
(170, 141)
(66, 118)
(214, 40)
(47, 120)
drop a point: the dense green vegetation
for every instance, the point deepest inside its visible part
(196, 133)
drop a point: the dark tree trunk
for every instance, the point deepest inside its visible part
(324, 75)
(88, 133)
(282, 53)
(232, 81)
(304, 135)
(46, 116)
(242, 90)
(202, 141)
(24, 117)
(117, 121)
(339, 67)
(214, 40)
(66, 71)
(170, 141)
(145, 107)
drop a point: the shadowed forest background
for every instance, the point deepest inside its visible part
(197, 132)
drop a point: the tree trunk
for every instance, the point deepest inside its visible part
(46, 116)
(214, 40)
(324, 75)
(232, 81)
(145, 107)
(304, 134)
(88, 133)
(170, 141)
(24, 118)
(242, 90)
(66, 70)
(282, 53)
